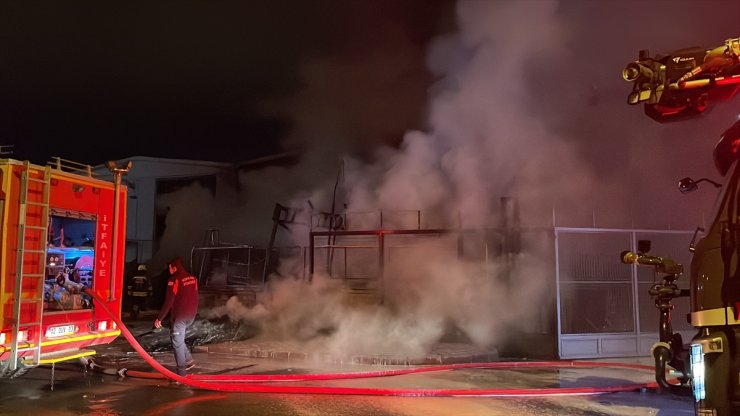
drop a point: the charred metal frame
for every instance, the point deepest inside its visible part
(380, 246)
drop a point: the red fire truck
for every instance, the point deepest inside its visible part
(61, 233)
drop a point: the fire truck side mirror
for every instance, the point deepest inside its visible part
(686, 185)
(689, 185)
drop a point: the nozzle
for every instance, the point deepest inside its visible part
(629, 257)
(662, 264)
(72, 287)
(635, 70)
(630, 73)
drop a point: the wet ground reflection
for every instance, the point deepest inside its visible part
(76, 393)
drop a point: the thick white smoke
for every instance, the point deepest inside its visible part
(482, 144)
(485, 142)
(516, 111)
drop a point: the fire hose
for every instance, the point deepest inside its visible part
(251, 383)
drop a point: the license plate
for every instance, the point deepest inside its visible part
(59, 331)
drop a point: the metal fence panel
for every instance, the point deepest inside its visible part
(605, 309)
(595, 288)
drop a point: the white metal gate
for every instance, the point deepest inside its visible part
(604, 309)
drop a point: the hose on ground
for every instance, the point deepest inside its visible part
(251, 383)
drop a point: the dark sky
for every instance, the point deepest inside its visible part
(211, 80)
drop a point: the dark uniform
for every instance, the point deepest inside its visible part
(181, 302)
(139, 291)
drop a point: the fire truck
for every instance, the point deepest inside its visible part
(675, 87)
(62, 233)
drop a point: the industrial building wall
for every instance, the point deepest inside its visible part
(142, 181)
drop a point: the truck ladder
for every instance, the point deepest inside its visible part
(33, 222)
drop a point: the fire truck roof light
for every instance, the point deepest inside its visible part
(2, 338)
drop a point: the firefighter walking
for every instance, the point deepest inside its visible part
(139, 291)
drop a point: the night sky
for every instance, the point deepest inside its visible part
(91, 81)
(237, 80)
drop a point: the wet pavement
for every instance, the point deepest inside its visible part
(76, 393)
(80, 393)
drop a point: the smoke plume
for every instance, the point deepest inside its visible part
(482, 144)
(516, 110)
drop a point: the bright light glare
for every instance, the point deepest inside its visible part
(697, 371)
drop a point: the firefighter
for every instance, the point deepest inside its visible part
(181, 303)
(139, 291)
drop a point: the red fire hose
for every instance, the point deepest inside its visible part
(249, 383)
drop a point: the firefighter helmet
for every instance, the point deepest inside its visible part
(142, 268)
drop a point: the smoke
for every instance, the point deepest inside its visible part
(188, 213)
(482, 144)
(524, 105)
